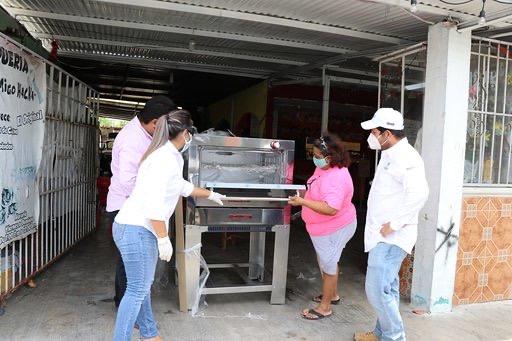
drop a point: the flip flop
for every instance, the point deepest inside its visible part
(313, 312)
(319, 299)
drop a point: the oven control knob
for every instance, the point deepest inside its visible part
(274, 144)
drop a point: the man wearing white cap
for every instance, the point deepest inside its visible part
(398, 192)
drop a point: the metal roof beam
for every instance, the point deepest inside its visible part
(116, 79)
(208, 68)
(299, 81)
(425, 8)
(344, 80)
(501, 35)
(169, 29)
(491, 19)
(223, 13)
(104, 95)
(336, 68)
(332, 60)
(130, 88)
(165, 48)
(431, 9)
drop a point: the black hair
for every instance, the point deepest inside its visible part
(396, 133)
(177, 121)
(168, 127)
(331, 145)
(155, 108)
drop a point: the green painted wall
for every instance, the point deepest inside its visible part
(14, 30)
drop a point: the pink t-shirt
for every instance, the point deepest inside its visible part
(333, 186)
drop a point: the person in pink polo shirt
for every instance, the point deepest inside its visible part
(129, 146)
(329, 215)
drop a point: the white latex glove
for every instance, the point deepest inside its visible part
(215, 197)
(165, 248)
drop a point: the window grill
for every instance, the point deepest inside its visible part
(488, 155)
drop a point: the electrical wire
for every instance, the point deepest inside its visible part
(509, 2)
(455, 3)
(417, 17)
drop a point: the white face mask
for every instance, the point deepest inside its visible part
(186, 145)
(373, 142)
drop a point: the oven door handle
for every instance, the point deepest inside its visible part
(253, 199)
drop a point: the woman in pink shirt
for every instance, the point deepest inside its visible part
(329, 215)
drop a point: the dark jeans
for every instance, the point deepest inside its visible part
(120, 279)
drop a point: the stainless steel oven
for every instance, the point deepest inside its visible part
(256, 175)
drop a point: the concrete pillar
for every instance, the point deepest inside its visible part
(444, 135)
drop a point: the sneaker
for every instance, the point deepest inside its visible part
(368, 336)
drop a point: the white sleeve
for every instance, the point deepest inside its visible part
(416, 194)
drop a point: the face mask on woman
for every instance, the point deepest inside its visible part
(320, 163)
(187, 143)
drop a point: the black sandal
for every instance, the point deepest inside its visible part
(316, 315)
(319, 299)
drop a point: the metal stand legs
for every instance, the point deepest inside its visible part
(256, 265)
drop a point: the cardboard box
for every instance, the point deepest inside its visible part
(5, 281)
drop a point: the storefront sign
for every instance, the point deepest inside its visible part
(22, 114)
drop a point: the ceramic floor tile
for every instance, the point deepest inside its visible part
(466, 281)
(483, 217)
(492, 249)
(459, 263)
(490, 263)
(483, 204)
(405, 275)
(500, 277)
(469, 201)
(502, 255)
(508, 293)
(506, 210)
(487, 294)
(493, 217)
(480, 253)
(476, 297)
(470, 234)
(501, 200)
(495, 203)
(502, 233)
(460, 252)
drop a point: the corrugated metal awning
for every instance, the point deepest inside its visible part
(111, 44)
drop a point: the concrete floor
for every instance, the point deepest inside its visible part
(73, 301)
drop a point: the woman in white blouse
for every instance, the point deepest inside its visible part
(140, 228)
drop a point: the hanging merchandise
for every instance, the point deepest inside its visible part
(53, 53)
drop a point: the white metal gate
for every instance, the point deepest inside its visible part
(66, 179)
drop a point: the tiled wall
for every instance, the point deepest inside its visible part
(484, 257)
(405, 275)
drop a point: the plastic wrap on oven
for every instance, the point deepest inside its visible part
(254, 174)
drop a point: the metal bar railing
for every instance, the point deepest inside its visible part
(66, 180)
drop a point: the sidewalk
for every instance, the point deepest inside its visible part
(73, 301)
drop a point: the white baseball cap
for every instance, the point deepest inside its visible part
(386, 118)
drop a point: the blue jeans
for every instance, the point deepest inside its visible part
(138, 247)
(382, 290)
